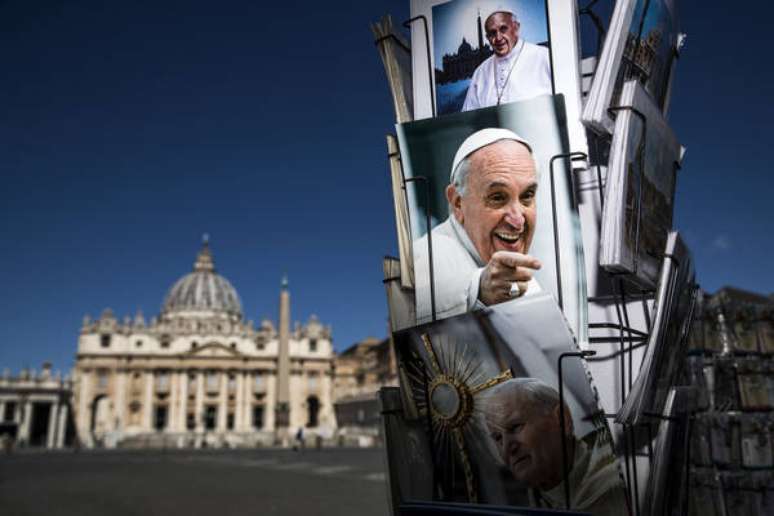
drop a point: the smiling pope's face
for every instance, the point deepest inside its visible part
(498, 210)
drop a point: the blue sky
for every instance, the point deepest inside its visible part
(128, 131)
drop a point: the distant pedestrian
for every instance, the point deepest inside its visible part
(7, 442)
(299, 440)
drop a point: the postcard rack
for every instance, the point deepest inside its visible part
(629, 339)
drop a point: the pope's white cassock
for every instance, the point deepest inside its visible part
(522, 74)
(457, 269)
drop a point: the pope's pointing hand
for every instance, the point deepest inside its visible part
(503, 270)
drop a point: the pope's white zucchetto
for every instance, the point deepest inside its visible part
(501, 9)
(481, 139)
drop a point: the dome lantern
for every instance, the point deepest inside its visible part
(203, 290)
(204, 262)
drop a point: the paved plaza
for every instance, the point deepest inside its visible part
(206, 482)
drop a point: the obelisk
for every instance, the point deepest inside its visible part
(282, 415)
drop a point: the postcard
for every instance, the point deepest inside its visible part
(640, 190)
(742, 320)
(530, 48)
(482, 212)
(726, 390)
(672, 321)
(706, 494)
(766, 331)
(400, 205)
(701, 454)
(396, 58)
(502, 427)
(756, 442)
(726, 441)
(400, 300)
(753, 387)
(642, 44)
(482, 53)
(666, 483)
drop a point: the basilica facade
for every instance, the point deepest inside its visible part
(200, 374)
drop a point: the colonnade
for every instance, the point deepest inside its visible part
(24, 415)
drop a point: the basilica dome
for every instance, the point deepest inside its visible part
(203, 290)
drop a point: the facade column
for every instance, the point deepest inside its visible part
(53, 417)
(199, 401)
(270, 382)
(182, 413)
(2, 410)
(24, 432)
(173, 398)
(238, 395)
(222, 402)
(298, 395)
(83, 409)
(147, 404)
(120, 397)
(247, 413)
(327, 414)
(17, 412)
(62, 426)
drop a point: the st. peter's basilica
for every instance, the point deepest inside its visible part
(199, 374)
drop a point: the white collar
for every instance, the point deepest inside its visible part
(515, 51)
(464, 239)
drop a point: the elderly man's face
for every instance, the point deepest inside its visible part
(498, 210)
(527, 439)
(502, 32)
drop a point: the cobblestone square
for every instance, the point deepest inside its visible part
(207, 482)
